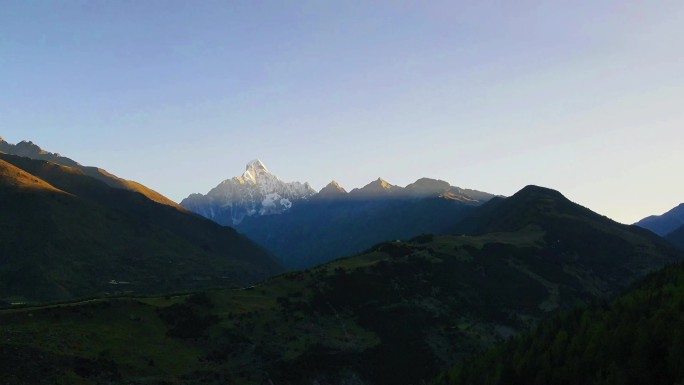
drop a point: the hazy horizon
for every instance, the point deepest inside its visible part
(577, 96)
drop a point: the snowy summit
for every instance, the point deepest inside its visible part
(255, 192)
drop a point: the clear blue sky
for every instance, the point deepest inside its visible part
(586, 97)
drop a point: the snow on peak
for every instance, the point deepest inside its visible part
(255, 171)
(257, 165)
(255, 192)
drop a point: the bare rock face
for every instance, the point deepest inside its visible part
(255, 192)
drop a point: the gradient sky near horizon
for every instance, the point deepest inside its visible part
(581, 96)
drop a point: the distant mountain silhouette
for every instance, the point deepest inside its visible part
(573, 232)
(64, 234)
(666, 223)
(532, 205)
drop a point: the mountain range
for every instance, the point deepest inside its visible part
(400, 313)
(308, 228)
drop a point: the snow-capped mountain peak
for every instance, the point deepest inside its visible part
(255, 171)
(257, 167)
(255, 192)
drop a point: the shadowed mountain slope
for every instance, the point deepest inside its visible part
(334, 223)
(531, 205)
(573, 232)
(66, 235)
(677, 237)
(320, 230)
